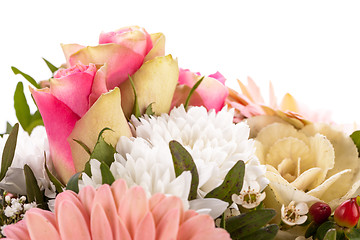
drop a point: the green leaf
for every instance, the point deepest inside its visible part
(58, 185)
(136, 108)
(355, 136)
(265, 233)
(50, 66)
(107, 176)
(83, 145)
(192, 91)
(247, 223)
(21, 106)
(149, 111)
(184, 162)
(311, 230)
(330, 234)
(322, 230)
(232, 183)
(73, 183)
(8, 128)
(353, 234)
(32, 189)
(9, 151)
(103, 151)
(27, 77)
(87, 169)
(36, 120)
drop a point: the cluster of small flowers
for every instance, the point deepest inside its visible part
(13, 209)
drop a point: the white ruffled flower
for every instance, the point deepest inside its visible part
(29, 150)
(214, 142)
(139, 163)
(294, 215)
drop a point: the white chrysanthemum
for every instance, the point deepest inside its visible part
(140, 163)
(29, 150)
(214, 142)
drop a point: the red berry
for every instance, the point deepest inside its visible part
(320, 212)
(347, 213)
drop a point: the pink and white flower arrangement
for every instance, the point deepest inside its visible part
(126, 144)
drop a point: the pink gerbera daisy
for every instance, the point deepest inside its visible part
(115, 212)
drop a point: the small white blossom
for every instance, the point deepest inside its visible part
(250, 196)
(229, 212)
(28, 206)
(294, 215)
(7, 199)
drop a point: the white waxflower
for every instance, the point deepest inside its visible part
(294, 214)
(214, 142)
(29, 150)
(251, 194)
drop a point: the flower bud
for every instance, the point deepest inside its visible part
(347, 213)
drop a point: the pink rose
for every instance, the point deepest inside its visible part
(211, 93)
(85, 98)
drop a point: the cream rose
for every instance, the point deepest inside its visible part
(317, 162)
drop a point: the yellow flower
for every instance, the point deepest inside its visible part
(317, 162)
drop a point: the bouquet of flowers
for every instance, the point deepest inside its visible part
(127, 145)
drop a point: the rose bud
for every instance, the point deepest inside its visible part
(320, 212)
(347, 213)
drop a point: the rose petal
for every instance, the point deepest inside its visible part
(121, 61)
(160, 75)
(59, 121)
(106, 112)
(158, 49)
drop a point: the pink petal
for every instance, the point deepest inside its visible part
(41, 224)
(74, 89)
(213, 93)
(118, 189)
(218, 76)
(104, 198)
(99, 85)
(168, 226)
(186, 77)
(134, 37)
(72, 197)
(71, 221)
(166, 204)
(198, 224)
(86, 196)
(17, 231)
(59, 122)
(155, 200)
(100, 225)
(146, 229)
(70, 49)
(133, 209)
(121, 61)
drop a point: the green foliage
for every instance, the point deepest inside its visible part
(58, 185)
(324, 228)
(149, 111)
(27, 77)
(330, 234)
(50, 66)
(192, 92)
(232, 183)
(107, 176)
(103, 151)
(9, 151)
(27, 120)
(32, 189)
(73, 183)
(353, 234)
(184, 162)
(136, 108)
(355, 136)
(252, 225)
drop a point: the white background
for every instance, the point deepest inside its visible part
(308, 48)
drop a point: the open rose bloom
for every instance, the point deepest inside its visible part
(115, 212)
